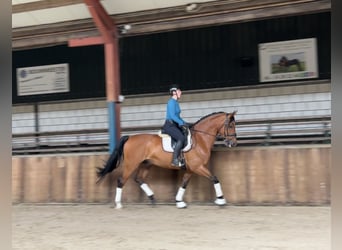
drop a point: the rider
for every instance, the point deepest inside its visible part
(174, 125)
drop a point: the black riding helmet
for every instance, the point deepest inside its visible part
(173, 88)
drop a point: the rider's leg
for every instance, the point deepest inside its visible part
(176, 152)
(175, 133)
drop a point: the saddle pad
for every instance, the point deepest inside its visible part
(166, 142)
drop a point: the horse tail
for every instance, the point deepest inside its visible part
(114, 160)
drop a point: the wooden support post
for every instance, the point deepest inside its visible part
(109, 39)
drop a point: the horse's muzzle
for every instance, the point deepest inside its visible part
(230, 143)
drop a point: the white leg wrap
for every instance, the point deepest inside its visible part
(218, 189)
(146, 189)
(180, 194)
(179, 198)
(118, 195)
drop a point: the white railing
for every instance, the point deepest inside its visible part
(260, 112)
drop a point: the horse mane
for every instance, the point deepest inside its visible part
(206, 116)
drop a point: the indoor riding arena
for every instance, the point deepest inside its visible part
(87, 72)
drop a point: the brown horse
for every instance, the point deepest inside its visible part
(284, 62)
(140, 152)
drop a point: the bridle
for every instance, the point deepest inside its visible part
(218, 135)
(225, 130)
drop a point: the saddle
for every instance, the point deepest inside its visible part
(168, 143)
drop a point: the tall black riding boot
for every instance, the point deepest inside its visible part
(176, 152)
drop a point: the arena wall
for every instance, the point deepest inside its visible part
(292, 175)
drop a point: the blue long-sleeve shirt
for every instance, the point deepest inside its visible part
(173, 112)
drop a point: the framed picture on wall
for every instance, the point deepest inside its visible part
(288, 60)
(43, 79)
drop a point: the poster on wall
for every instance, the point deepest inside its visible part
(288, 60)
(44, 79)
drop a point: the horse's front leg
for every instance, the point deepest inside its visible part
(220, 200)
(203, 171)
(181, 190)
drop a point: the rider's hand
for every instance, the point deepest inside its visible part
(184, 127)
(188, 124)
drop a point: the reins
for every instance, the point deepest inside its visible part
(203, 132)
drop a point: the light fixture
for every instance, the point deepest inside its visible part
(191, 7)
(127, 26)
(124, 28)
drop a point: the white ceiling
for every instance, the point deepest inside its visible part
(79, 11)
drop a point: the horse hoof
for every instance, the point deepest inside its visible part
(152, 200)
(220, 201)
(181, 204)
(118, 206)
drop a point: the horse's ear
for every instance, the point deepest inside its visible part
(231, 116)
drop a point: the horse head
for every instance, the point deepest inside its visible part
(227, 130)
(219, 125)
(283, 60)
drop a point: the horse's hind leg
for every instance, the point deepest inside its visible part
(118, 194)
(140, 177)
(128, 169)
(181, 190)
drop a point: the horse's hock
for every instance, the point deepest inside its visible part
(256, 175)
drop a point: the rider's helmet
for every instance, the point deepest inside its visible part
(173, 88)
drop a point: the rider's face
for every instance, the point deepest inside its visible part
(178, 93)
